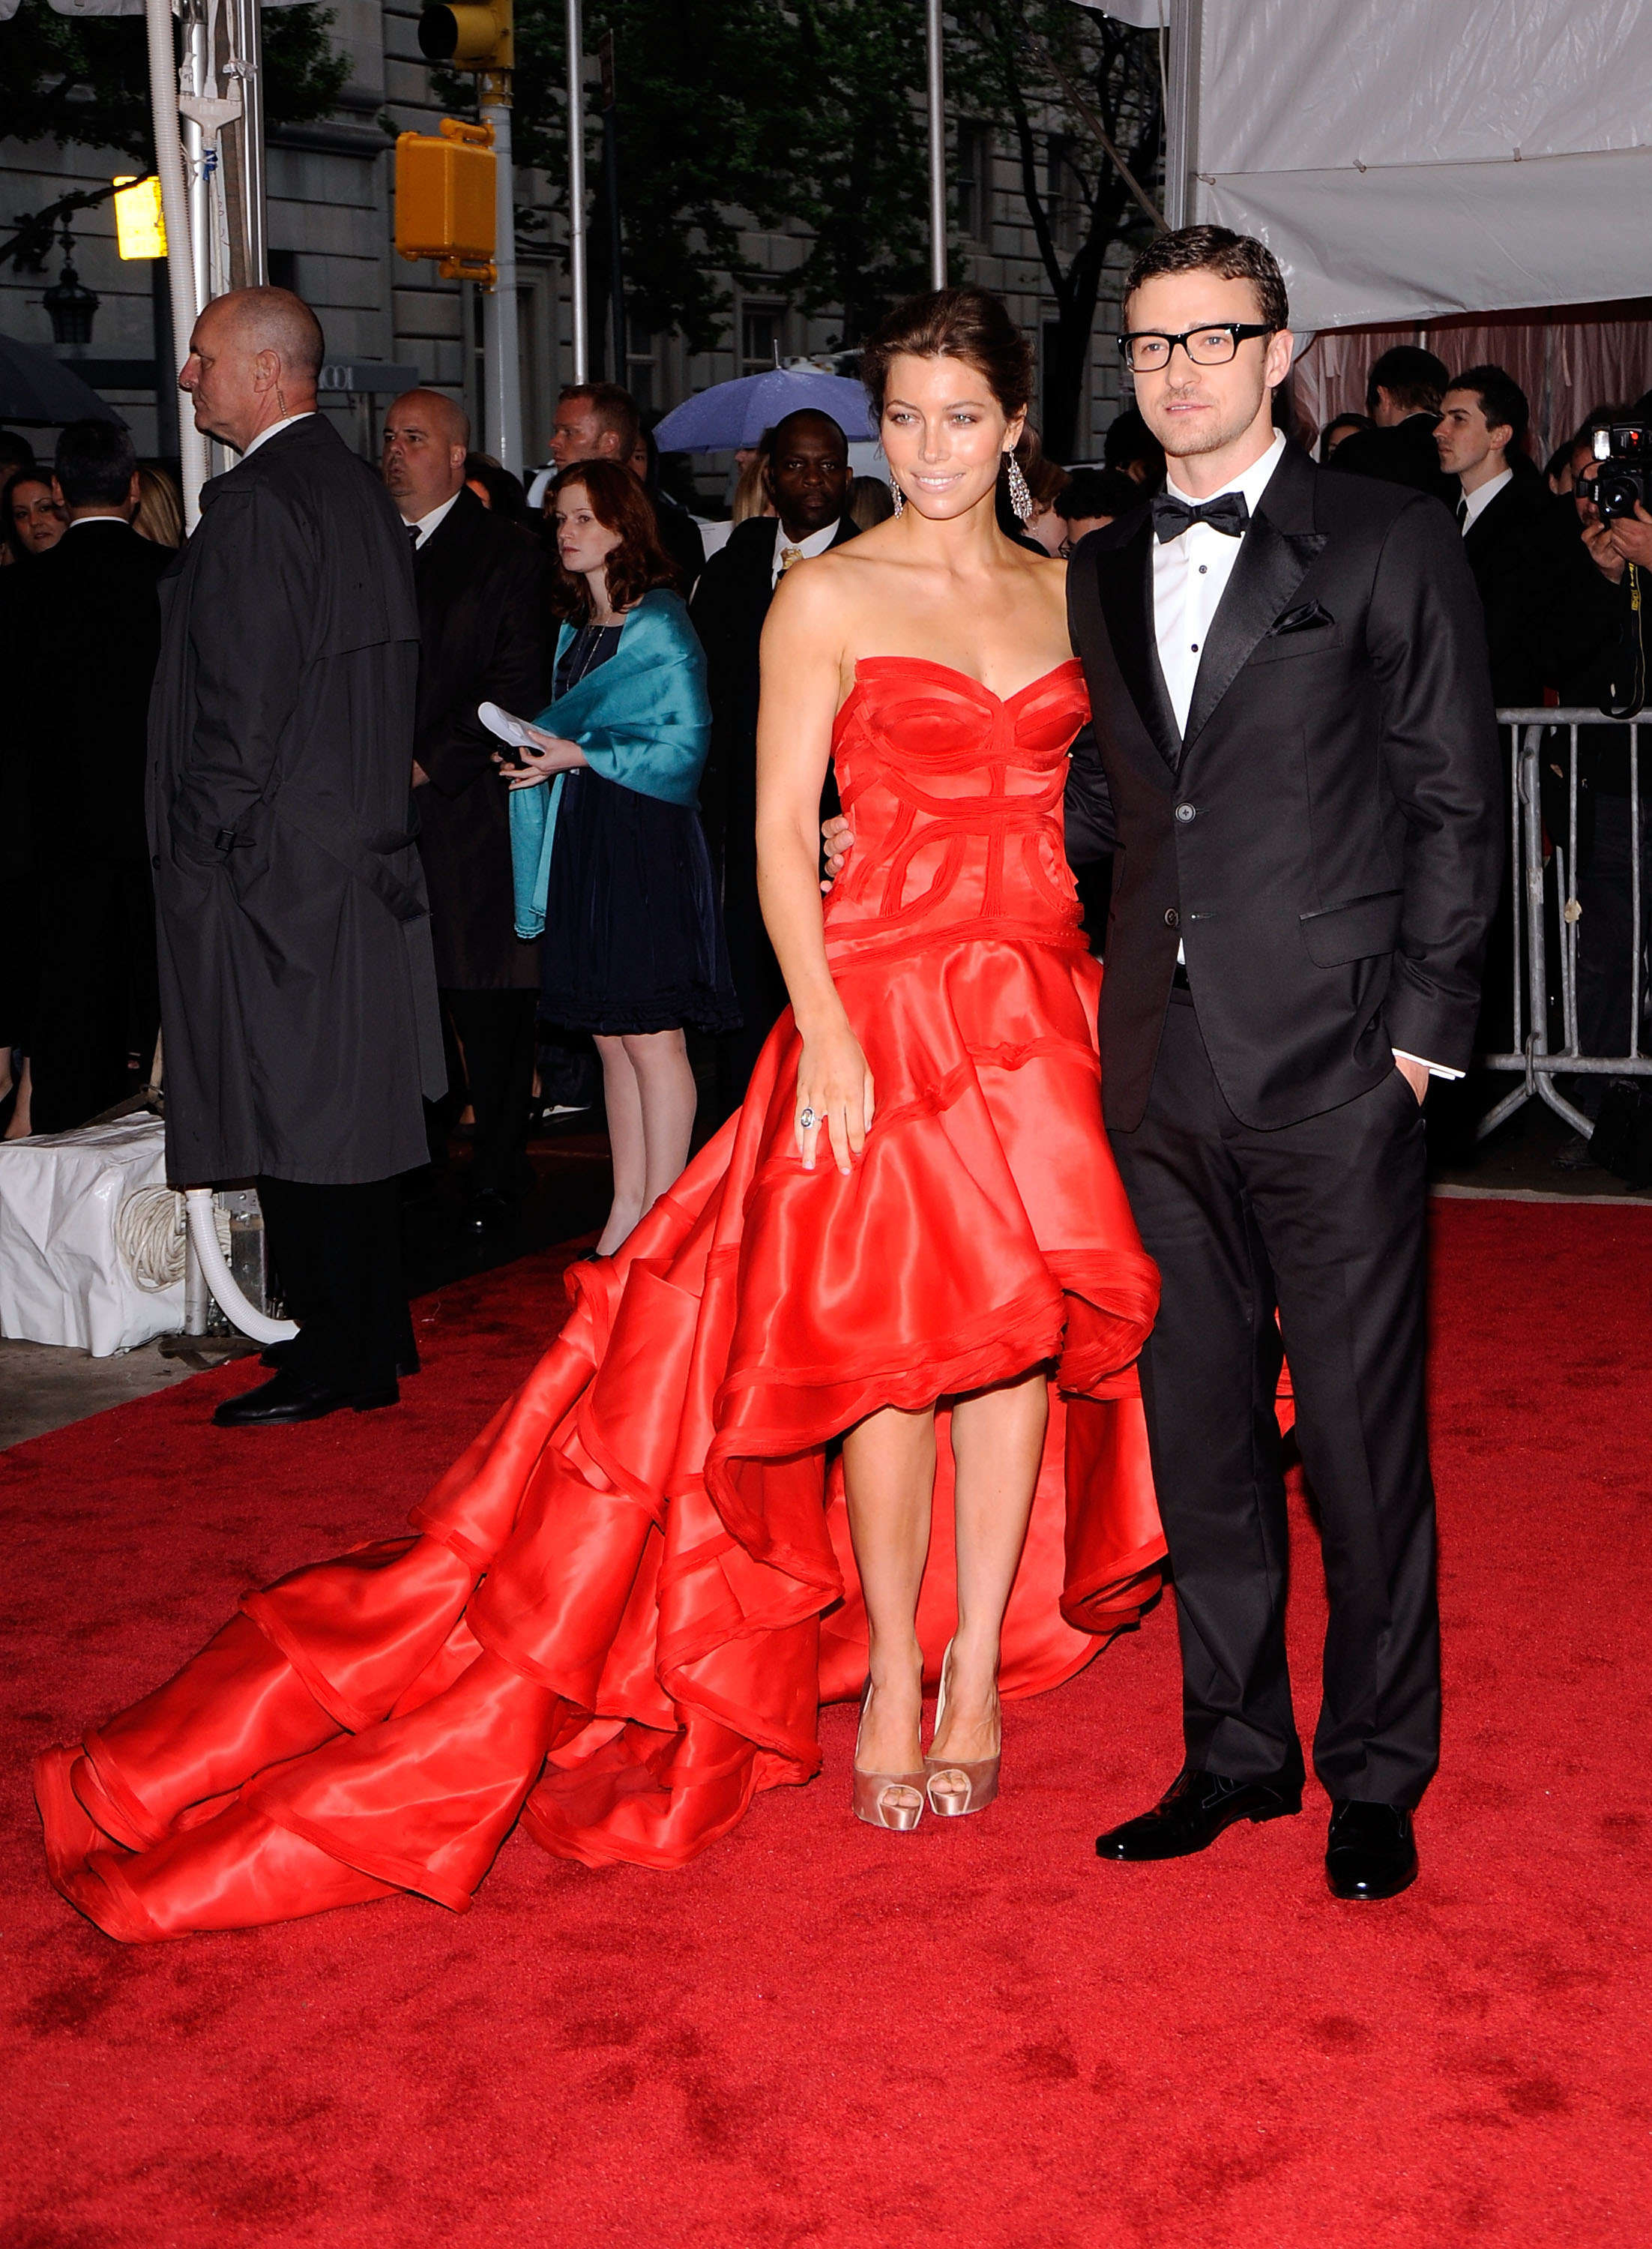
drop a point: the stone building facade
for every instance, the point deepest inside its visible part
(331, 225)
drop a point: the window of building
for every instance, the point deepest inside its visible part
(760, 338)
(974, 183)
(1063, 193)
(641, 360)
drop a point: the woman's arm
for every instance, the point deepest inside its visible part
(802, 667)
(541, 760)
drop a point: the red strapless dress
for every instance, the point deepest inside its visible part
(622, 1607)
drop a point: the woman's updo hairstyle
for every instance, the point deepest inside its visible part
(971, 325)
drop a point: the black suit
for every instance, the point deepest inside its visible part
(86, 638)
(1403, 454)
(482, 631)
(730, 606)
(1549, 613)
(1325, 841)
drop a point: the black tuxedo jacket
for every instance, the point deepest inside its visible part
(1403, 454)
(484, 637)
(1326, 841)
(1549, 613)
(86, 639)
(729, 605)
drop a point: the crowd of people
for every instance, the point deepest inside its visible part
(647, 930)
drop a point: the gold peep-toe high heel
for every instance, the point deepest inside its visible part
(954, 1789)
(885, 1799)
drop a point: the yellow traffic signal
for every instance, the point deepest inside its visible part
(470, 38)
(445, 197)
(140, 224)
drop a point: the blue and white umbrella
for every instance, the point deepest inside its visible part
(737, 413)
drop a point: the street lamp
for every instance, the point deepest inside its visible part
(72, 308)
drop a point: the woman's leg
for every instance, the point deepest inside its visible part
(997, 1441)
(888, 1474)
(669, 1099)
(623, 1099)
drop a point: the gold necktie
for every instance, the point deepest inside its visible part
(788, 556)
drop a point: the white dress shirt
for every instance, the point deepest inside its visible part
(805, 549)
(428, 526)
(275, 430)
(1477, 502)
(1191, 575)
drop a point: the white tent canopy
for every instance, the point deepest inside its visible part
(1405, 158)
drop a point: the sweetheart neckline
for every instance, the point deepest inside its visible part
(952, 670)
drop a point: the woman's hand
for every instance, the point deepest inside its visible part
(835, 1094)
(539, 761)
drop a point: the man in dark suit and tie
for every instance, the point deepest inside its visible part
(807, 476)
(1288, 672)
(85, 631)
(482, 622)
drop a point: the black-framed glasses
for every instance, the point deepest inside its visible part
(1145, 351)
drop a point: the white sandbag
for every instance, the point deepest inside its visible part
(62, 1278)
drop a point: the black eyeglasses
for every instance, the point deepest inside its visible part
(1147, 350)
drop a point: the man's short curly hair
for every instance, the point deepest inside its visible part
(1216, 250)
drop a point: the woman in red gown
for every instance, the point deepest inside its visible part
(907, 1256)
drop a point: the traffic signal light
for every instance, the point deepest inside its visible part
(445, 206)
(470, 38)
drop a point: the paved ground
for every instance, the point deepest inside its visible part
(44, 1386)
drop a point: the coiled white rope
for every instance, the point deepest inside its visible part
(149, 1231)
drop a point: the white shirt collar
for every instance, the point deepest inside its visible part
(75, 521)
(1481, 498)
(1253, 483)
(275, 430)
(816, 543)
(428, 526)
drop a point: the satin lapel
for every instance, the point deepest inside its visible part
(1124, 578)
(1271, 565)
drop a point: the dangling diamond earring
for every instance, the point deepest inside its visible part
(900, 497)
(1020, 498)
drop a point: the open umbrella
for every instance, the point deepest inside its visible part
(737, 413)
(42, 392)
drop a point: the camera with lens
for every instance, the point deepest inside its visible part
(1624, 452)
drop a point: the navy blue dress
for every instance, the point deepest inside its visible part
(633, 935)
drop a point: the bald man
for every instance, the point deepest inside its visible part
(297, 992)
(483, 624)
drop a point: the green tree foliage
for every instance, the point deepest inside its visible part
(87, 79)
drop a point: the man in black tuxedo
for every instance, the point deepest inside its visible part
(1287, 669)
(1548, 612)
(807, 476)
(86, 631)
(1403, 397)
(480, 581)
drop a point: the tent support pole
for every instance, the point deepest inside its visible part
(1182, 125)
(936, 42)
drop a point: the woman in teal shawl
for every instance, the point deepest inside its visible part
(611, 867)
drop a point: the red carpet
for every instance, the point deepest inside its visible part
(818, 2035)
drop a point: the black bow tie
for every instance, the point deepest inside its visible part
(1228, 513)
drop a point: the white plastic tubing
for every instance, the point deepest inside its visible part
(168, 156)
(203, 1233)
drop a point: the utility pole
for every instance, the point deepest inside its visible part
(611, 197)
(937, 147)
(575, 22)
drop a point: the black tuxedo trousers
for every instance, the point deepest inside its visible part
(1317, 1230)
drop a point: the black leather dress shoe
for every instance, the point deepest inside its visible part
(1197, 1808)
(275, 1355)
(490, 1212)
(287, 1398)
(1371, 1852)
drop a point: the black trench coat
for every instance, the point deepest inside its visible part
(298, 997)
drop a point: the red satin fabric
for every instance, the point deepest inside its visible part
(622, 1608)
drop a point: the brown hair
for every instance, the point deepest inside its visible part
(971, 325)
(637, 564)
(1216, 250)
(614, 409)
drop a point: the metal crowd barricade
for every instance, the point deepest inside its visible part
(1533, 1059)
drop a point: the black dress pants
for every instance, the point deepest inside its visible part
(337, 1251)
(1324, 1221)
(99, 997)
(495, 1030)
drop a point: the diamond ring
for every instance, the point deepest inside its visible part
(807, 1120)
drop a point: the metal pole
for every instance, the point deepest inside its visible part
(616, 244)
(1181, 124)
(937, 46)
(576, 191)
(499, 312)
(246, 44)
(164, 111)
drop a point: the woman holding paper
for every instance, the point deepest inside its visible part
(611, 869)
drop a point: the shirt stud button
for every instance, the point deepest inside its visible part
(1172, 919)
(1186, 812)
